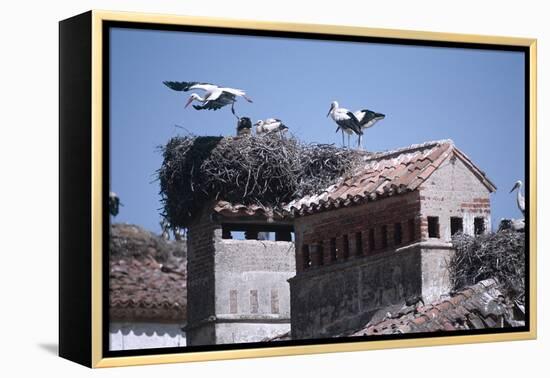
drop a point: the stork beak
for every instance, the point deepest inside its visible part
(330, 110)
(189, 101)
(514, 188)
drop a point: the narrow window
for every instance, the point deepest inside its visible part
(479, 225)
(320, 253)
(263, 235)
(226, 233)
(456, 225)
(397, 234)
(346, 246)
(283, 236)
(384, 235)
(333, 250)
(372, 245)
(274, 301)
(253, 301)
(358, 244)
(232, 301)
(306, 257)
(411, 230)
(251, 235)
(433, 227)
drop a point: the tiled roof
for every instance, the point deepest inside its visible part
(480, 306)
(147, 281)
(229, 210)
(386, 174)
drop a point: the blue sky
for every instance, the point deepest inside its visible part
(474, 97)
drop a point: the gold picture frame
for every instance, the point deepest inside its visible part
(91, 24)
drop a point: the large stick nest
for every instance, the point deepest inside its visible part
(268, 170)
(498, 255)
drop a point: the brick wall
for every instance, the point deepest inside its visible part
(359, 225)
(454, 191)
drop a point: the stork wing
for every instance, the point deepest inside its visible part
(354, 123)
(368, 118)
(180, 86)
(224, 99)
(233, 91)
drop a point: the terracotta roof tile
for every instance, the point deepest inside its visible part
(384, 174)
(147, 282)
(478, 307)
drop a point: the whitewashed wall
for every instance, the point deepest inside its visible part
(124, 336)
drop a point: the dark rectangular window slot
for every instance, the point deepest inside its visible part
(384, 236)
(397, 234)
(306, 257)
(251, 235)
(283, 236)
(456, 225)
(358, 243)
(433, 227)
(320, 254)
(346, 246)
(479, 225)
(226, 233)
(333, 250)
(372, 245)
(411, 230)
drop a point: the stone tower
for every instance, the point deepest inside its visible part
(239, 260)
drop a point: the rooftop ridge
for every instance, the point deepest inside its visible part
(407, 149)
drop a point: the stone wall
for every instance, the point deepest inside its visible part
(331, 300)
(238, 289)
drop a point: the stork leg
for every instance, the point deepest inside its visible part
(348, 140)
(343, 143)
(233, 110)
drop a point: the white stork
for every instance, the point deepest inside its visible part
(367, 118)
(520, 197)
(346, 120)
(270, 125)
(214, 98)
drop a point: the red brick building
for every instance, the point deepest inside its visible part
(382, 236)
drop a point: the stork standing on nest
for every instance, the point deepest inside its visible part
(244, 126)
(520, 198)
(347, 121)
(214, 97)
(269, 126)
(367, 118)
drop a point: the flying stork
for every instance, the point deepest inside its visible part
(347, 121)
(367, 118)
(270, 125)
(520, 197)
(215, 97)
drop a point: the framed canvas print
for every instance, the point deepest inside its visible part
(235, 189)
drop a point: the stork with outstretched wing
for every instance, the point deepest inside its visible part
(367, 118)
(347, 121)
(214, 97)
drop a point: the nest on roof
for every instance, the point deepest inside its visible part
(498, 255)
(268, 171)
